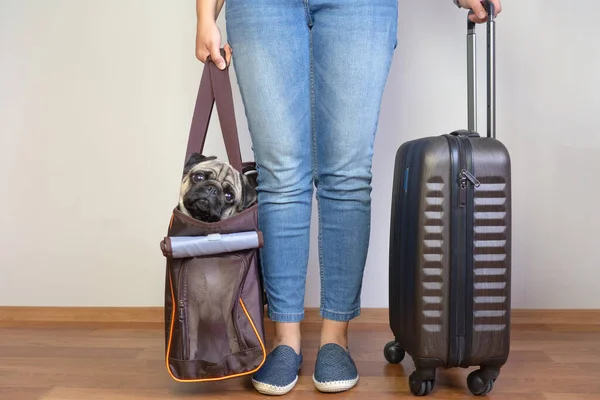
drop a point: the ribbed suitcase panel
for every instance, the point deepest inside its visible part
(491, 255)
(432, 266)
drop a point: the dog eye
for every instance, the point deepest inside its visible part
(229, 197)
(198, 177)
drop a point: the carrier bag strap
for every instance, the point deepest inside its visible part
(215, 88)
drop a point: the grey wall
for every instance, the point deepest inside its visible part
(95, 104)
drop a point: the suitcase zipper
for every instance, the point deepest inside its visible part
(463, 177)
(467, 175)
(463, 282)
(460, 266)
(468, 251)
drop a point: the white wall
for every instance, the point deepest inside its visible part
(95, 103)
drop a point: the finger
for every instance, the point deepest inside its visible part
(480, 14)
(497, 7)
(228, 52)
(202, 54)
(474, 18)
(217, 58)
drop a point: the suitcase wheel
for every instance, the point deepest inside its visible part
(419, 386)
(394, 353)
(481, 381)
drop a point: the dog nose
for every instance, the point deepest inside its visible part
(211, 190)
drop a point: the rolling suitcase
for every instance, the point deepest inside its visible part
(450, 247)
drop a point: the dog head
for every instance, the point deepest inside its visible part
(212, 190)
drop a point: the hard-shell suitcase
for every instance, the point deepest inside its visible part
(450, 247)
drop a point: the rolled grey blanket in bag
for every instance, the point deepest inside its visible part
(215, 243)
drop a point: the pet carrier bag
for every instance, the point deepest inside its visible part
(214, 302)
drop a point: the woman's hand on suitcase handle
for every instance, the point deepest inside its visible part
(208, 34)
(479, 14)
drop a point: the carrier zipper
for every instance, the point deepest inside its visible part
(181, 309)
(242, 345)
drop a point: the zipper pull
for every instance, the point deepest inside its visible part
(463, 191)
(466, 174)
(463, 177)
(181, 311)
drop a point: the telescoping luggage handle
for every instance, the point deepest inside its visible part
(491, 73)
(215, 88)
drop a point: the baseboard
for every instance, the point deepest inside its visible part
(556, 316)
(82, 314)
(155, 315)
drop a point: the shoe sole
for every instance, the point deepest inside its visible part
(272, 390)
(335, 386)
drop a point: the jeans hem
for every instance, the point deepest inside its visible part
(285, 317)
(339, 316)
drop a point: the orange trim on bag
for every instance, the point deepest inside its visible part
(262, 345)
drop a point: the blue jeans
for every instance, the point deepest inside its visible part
(312, 74)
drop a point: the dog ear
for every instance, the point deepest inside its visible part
(195, 158)
(249, 183)
(252, 176)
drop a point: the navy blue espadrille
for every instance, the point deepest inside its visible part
(279, 373)
(335, 370)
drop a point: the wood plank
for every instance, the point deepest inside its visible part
(20, 393)
(120, 361)
(25, 352)
(302, 392)
(585, 318)
(82, 314)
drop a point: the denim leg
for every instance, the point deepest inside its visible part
(353, 43)
(271, 43)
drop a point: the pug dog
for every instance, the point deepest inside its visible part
(212, 190)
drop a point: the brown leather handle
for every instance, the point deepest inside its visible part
(215, 88)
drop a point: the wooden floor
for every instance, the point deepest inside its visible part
(91, 361)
